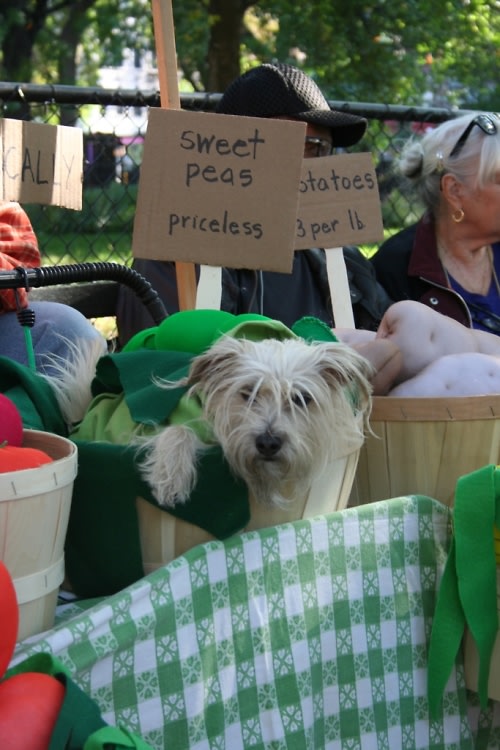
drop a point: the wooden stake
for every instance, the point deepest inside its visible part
(163, 20)
(339, 288)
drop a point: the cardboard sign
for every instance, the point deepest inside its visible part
(219, 190)
(339, 202)
(41, 163)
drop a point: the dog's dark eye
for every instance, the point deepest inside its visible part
(301, 399)
(246, 395)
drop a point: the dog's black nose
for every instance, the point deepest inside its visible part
(268, 444)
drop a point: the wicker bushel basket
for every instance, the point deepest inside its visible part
(422, 445)
(164, 537)
(34, 513)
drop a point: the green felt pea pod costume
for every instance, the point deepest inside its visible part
(102, 551)
(467, 594)
(102, 545)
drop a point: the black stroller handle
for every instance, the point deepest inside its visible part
(26, 278)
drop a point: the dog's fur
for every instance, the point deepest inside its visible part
(280, 410)
(72, 377)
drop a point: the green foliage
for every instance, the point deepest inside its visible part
(399, 51)
(395, 52)
(112, 206)
(192, 32)
(400, 211)
(92, 247)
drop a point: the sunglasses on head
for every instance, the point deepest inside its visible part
(487, 123)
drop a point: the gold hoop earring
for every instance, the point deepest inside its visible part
(458, 216)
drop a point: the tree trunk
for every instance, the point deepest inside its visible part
(223, 56)
(17, 52)
(70, 36)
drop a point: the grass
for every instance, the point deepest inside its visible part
(115, 247)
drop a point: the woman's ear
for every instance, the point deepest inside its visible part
(452, 190)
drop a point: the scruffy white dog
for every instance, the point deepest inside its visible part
(281, 410)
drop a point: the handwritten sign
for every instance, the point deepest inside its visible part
(219, 190)
(339, 202)
(41, 163)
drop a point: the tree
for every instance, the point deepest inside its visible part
(397, 51)
(393, 52)
(19, 31)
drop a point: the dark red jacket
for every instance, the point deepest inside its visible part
(408, 267)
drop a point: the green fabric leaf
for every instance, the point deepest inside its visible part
(114, 738)
(33, 396)
(134, 374)
(474, 517)
(446, 635)
(467, 595)
(313, 329)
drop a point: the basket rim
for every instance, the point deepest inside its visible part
(23, 484)
(391, 408)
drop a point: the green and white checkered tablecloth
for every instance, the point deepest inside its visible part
(305, 636)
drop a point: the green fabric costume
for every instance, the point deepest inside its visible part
(468, 592)
(102, 552)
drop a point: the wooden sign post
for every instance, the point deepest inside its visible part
(163, 21)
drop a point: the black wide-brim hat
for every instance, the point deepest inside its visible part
(277, 89)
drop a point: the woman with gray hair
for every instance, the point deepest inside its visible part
(450, 259)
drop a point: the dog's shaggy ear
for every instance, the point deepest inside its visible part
(215, 362)
(342, 365)
(343, 362)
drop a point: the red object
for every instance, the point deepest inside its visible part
(13, 458)
(30, 702)
(11, 424)
(19, 247)
(29, 706)
(9, 618)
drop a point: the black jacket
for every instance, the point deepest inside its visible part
(285, 297)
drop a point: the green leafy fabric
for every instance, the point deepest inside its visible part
(468, 592)
(33, 396)
(102, 550)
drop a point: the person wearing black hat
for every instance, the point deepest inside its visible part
(278, 91)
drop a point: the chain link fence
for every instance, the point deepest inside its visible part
(114, 125)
